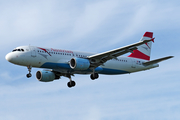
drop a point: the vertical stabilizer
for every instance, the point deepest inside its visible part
(144, 51)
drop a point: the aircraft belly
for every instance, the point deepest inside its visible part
(111, 67)
(115, 67)
(51, 65)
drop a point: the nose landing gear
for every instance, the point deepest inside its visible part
(29, 74)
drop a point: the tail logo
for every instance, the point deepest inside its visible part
(148, 45)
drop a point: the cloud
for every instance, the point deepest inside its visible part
(57, 23)
(21, 21)
(93, 15)
(93, 112)
(147, 16)
(6, 77)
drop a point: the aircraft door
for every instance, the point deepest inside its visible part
(33, 51)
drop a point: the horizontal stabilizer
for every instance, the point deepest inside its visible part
(156, 61)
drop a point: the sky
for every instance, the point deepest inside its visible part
(92, 26)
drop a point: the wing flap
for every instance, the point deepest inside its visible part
(156, 60)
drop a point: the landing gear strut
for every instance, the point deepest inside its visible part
(29, 74)
(71, 83)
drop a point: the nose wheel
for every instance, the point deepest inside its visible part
(29, 74)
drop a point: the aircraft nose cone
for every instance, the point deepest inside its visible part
(9, 57)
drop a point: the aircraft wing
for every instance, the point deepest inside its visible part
(156, 61)
(100, 58)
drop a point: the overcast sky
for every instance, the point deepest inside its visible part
(92, 26)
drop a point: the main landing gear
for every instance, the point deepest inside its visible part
(29, 74)
(71, 83)
(94, 76)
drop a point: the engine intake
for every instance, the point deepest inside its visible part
(46, 76)
(79, 63)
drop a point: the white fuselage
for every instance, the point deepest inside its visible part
(58, 60)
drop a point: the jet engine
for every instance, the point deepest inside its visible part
(79, 63)
(46, 76)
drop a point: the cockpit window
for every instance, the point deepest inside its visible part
(18, 50)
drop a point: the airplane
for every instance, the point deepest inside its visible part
(60, 62)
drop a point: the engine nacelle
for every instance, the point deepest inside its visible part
(46, 76)
(79, 63)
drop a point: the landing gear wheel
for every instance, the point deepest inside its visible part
(29, 75)
(94, 76)
(71, 84)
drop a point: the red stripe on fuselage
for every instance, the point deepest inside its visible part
(44, 50)
(140, 55)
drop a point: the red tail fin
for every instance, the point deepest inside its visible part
(144, 51)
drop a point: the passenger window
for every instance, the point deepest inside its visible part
(19, 50)
(22, 50)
